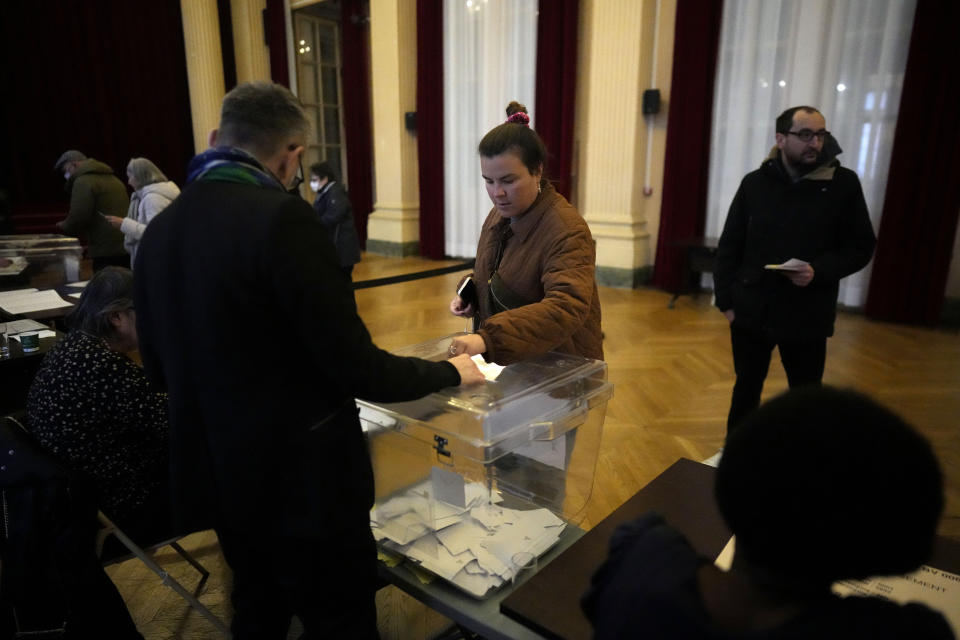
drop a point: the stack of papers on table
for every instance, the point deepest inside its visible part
(472, 546)
(28, 300)
(19, 326)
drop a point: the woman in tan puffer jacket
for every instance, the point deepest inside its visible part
(535, 280)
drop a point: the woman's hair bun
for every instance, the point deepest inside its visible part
(515, 107)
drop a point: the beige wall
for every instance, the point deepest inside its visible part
(619, 43)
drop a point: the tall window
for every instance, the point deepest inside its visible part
(490, 58)
(845, 58)
(317, 50)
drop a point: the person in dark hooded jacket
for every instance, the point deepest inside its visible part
(95, 192)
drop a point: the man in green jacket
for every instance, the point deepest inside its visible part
(94, 190)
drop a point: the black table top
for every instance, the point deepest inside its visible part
(683, 494)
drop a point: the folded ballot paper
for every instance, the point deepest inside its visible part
(793, 264)
(461, 532)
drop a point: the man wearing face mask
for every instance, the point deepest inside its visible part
(94, 190)
(265, 443)
(799, 206)
(333, 208)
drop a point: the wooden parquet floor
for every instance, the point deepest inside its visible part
(673, 374)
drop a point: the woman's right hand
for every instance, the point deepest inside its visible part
(458, 308)
(467, 368)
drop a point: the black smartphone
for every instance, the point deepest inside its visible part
(468, 292)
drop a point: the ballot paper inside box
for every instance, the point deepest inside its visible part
(468, 478)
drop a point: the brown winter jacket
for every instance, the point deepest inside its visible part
(94, 190)
(549, 261)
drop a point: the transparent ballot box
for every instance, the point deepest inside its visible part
(475, 483)
(43, 251)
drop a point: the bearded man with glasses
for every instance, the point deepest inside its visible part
(797, 225)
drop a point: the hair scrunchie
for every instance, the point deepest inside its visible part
(520, 118)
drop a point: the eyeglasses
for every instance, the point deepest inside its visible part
(806, 135)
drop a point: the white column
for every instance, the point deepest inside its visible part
(250, 51)
(393, 226)
(201, 39)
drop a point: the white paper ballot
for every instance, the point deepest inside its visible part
(36, 301)
(793, 264)
(476, 584)
(402, 530)
(549, 452)
(465, 534)
(46, 333)
(16, 293)
(490, 516)
(490, 370)
(939, 590)
(472, 545)
(448, 487)
(436, 558)
(19, 326)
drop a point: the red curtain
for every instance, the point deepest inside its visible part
(355, 32)
(430, 126)
(555, 95)
(556, 85)
(686, 167)
(107, 78)
(275, 28)
(225, 21)
(922, 202)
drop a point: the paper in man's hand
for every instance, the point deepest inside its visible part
(793, 264)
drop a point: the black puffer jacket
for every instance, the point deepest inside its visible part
(821, 218)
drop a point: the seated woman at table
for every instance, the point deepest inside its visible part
(536, 288)
(90, 406)
(819, 485)
(152, 192)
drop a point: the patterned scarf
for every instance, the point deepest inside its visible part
(229, 164)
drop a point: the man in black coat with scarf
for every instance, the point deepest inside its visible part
(243, 314)
(800, 206)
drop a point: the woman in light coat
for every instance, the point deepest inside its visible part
(152, 192)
